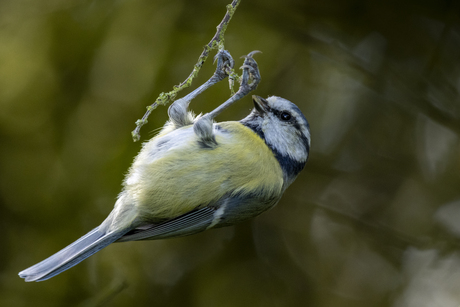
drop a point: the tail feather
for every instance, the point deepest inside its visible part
(71, 255)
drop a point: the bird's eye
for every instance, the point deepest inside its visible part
(285, 116)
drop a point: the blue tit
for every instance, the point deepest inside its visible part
(197, 174)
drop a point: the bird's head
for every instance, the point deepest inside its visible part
(284, 128)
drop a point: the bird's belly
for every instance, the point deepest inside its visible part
(175, 174)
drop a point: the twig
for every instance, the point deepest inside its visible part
(217, 42)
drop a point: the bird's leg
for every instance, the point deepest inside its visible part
(177, 112)
(249, 81)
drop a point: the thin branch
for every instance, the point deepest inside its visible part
(217, 42)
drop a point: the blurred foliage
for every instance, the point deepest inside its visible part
(374, 220)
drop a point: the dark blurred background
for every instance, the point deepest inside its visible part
(374, 219)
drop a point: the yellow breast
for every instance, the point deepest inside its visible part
(167, 183)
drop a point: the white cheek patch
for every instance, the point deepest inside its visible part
(284, 139)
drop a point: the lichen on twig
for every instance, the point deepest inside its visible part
(217, 42)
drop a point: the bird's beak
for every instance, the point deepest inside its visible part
(260, 104)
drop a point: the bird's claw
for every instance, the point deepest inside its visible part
(251, 75)
(225, 64)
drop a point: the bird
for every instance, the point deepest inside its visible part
(198, 174)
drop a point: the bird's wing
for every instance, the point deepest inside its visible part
(226, 211)
(186, 224)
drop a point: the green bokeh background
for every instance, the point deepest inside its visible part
(374, 220)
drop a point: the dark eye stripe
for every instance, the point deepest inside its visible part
(283, 115)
